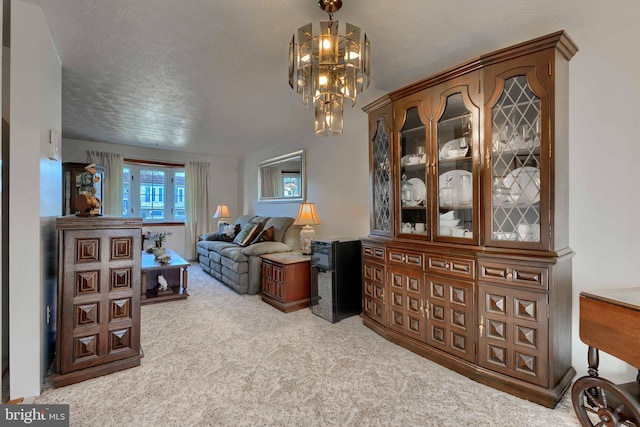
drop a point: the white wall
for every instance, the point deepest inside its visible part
(223, 187)
(35, 104)
(604, 151)
(337, 173)
(604, 147)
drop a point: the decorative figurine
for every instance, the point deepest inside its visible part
(86, 202)
(162, 283)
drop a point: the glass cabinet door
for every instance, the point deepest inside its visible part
(516, 164)
(412, 158)
(456, 176)
(381, 214)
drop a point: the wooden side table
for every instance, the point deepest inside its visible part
(286, 280)
(175, 273)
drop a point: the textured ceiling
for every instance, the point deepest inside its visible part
(210, 76)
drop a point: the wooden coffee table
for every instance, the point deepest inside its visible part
(175, 272)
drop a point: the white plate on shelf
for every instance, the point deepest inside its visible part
(451, 150)
(524, 185)
(418, 192)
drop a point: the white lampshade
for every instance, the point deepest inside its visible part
(307, 216)
(222, 211)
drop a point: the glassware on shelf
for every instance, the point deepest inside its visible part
(446, 194)
(465, 190)
(501, 194)
(406, 191)
(466, 132)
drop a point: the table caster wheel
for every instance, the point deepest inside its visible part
(599, 402)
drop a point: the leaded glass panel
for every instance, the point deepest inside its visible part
(381, 177)
(515, 163)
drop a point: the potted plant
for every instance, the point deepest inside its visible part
(159, 239)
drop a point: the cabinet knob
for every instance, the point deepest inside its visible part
(509, 275)
(447, 265)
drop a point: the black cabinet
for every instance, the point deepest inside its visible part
(335, 278)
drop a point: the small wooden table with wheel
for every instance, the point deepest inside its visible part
(609, 321)
(175, 273)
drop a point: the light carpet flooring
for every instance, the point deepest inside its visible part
(224, 359)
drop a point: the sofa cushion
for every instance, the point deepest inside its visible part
(280, 225)
(215, 246)
(292, 238)
(265, 248)
(242, 220)
(265, 235)
(234, 253)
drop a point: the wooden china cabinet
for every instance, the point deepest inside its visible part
(467, 262)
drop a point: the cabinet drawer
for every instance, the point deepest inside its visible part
(461, 267)
(373, 252)
(516, 274)
(405, 258)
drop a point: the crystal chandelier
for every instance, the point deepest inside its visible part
(329, 68)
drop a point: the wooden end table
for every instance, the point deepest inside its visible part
(175, 272)
(286, 280)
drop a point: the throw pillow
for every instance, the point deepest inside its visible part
(226, 234)
(265, 235)
(231, 230)
(280, 225)
(247, 234)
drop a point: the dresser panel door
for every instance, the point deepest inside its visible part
(450, 322)
(373, 291)
(513, 332)
(101, 297)
(406, 302)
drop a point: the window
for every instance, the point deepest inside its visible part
(155, 193)
(291, 183)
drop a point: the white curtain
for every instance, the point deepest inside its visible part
(196, 205)
(271, 181)
(113, 164)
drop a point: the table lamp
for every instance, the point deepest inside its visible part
(307, 217)
(222, 212)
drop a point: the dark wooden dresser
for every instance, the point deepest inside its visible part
(98, 313)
